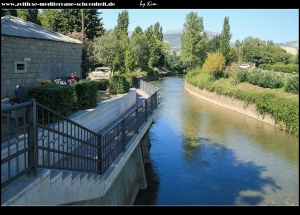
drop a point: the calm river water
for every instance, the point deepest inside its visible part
(206, 155)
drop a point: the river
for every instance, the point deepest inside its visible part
(205, 155)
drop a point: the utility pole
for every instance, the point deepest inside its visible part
(82, 23)
(240, 54)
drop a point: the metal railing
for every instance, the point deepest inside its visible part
(38, 137)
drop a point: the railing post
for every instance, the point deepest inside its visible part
(151, 103)
(146, 111)
(136, 119)
(123, 134)
(155, 100)
(100, 160)
(32, 138)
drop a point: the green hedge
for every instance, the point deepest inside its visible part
(102, 84)
(54, 96)
(85, 94)
(287, 68)
(118, 84)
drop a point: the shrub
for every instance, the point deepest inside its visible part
(118, 84)
(102, 84)
(57, 97)
(85, 94)
(242, 75)
(292, 84)
(214, 63)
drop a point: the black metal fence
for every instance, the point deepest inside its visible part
(33, 136)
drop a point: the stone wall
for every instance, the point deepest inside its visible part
(43, 59)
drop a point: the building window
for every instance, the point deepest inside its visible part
(20, 66)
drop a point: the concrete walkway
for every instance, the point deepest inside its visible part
(71, 161)
(140, 98)
(21, 192)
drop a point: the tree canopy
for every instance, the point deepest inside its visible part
(191, 40)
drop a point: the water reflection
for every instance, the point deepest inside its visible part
(203, 154)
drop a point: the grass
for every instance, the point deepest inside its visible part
(278, 91)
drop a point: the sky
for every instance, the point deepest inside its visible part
(278, 25)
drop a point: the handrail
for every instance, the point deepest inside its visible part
(42, 138)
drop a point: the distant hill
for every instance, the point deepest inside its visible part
(173, 37)
(291, 50)
(292, 44)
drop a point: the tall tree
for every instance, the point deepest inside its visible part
(155, 48)
(111, 49)
(69, 20)
(137, 30)
(65, 21)
(157, 30)
(139, 45)
(49, 19)
(105, 48)
(130, 60)
(123, 21)
(191, 40)
(93, 27)
(29, 15)
(6, 12)
(225, 38)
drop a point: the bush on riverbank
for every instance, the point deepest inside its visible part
(283, 106)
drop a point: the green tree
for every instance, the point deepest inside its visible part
(6, 12)
(157, 30)
(210, 46)
(174, 62)
(29, 15)
(65, 21)
(110, 49)
(191, 40)
(130, 60)
(139, 45)
(213, 45)
(105, 48)
(153, 45)
(123, 21)
(225, 38)
(137, 30)
(93, 27)
(260, 52)
(68, 21)
(49, 19)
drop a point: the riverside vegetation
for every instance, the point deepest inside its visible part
(271, 92)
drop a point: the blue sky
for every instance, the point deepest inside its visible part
(278, 25)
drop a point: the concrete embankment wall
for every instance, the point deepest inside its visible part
(105, 112)
(230, 103)
(126, 175)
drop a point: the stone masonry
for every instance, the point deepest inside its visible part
(43, 59)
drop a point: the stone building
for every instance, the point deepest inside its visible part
(31, 53)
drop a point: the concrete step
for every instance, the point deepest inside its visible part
(53, 187)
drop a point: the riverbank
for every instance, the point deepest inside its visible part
(230, 103)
